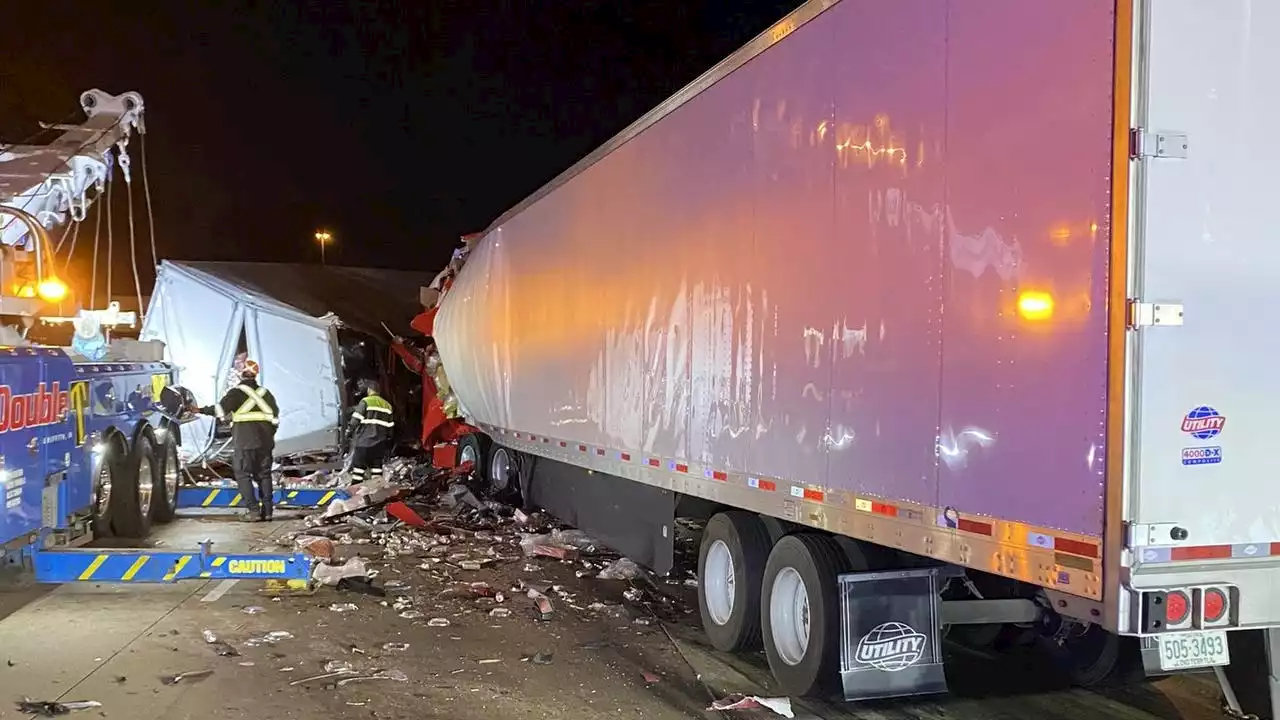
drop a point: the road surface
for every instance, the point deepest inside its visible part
(595, 657)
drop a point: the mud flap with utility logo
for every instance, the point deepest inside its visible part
(892, 633)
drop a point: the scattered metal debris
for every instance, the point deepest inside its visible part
(192, 676)
(780, 705)
(45, 708)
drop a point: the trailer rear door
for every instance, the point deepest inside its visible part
(1206, 254)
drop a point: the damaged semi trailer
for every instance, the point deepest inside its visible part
(894, 297)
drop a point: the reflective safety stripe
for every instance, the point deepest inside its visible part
(254, 398)
(375, 405)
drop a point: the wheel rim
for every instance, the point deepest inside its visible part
(467, 455)
(103, 503)
(145, 485)
(718, 582)
(171, 476)
(789, 616)
(499, 470)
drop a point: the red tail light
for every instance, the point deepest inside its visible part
(1215, 605)
(1177, 607)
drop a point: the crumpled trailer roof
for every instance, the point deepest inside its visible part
(361, 298)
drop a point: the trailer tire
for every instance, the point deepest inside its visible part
(136, 490)
(736, 543)
(164, 498)
(1098, 658)
(503, 476)
(800, 582)
(474, 447)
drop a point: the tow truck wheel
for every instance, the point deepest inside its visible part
(735, 546)
(800, 613)
(134, 489)
(164, 499)
(107, 468)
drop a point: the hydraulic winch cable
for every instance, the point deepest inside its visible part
(133, 246)
(146, 190)
(110, 235)
(65, 232)
(75, 235)
(93, 282)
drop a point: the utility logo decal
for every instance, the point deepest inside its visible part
(1202, 455)
(1203, 423)
(891, 647)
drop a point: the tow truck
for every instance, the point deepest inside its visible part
(89, 445)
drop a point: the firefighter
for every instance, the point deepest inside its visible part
(370, 433)
(254, 417)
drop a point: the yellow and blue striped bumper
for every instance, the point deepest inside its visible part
(166, 566)
(230, 497)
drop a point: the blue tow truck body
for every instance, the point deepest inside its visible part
(60, 422)
(87, 451)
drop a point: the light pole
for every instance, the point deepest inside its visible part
(324, 237)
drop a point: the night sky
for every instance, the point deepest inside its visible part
(397, 125)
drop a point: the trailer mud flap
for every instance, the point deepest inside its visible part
(891, 631)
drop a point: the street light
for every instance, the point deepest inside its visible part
(324, 237)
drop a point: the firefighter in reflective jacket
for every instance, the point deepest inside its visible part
(254, 417)
(370, 432)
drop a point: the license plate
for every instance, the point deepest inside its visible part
(1194, 650)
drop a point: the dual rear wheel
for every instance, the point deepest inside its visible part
(757, 587)
(134, 486)
(781, 595)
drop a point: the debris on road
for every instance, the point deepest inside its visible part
(779, 705)
(339, 666)
(45, 708)
(543, 605)
(193, 675)
(270, 638)
(620, 569)
(542, 657)
(393, 675)
(223, 649)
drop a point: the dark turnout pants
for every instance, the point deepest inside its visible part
(253, 472)
(367, 462)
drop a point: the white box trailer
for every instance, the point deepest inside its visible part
(904, 283)
(285, 316)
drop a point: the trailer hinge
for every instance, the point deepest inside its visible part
(1142, 535)
(1145, 314)
(1146, 144)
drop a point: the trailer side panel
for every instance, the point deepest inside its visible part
(879, 243)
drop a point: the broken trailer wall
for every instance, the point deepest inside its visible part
(205, 318)
(286, 317)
